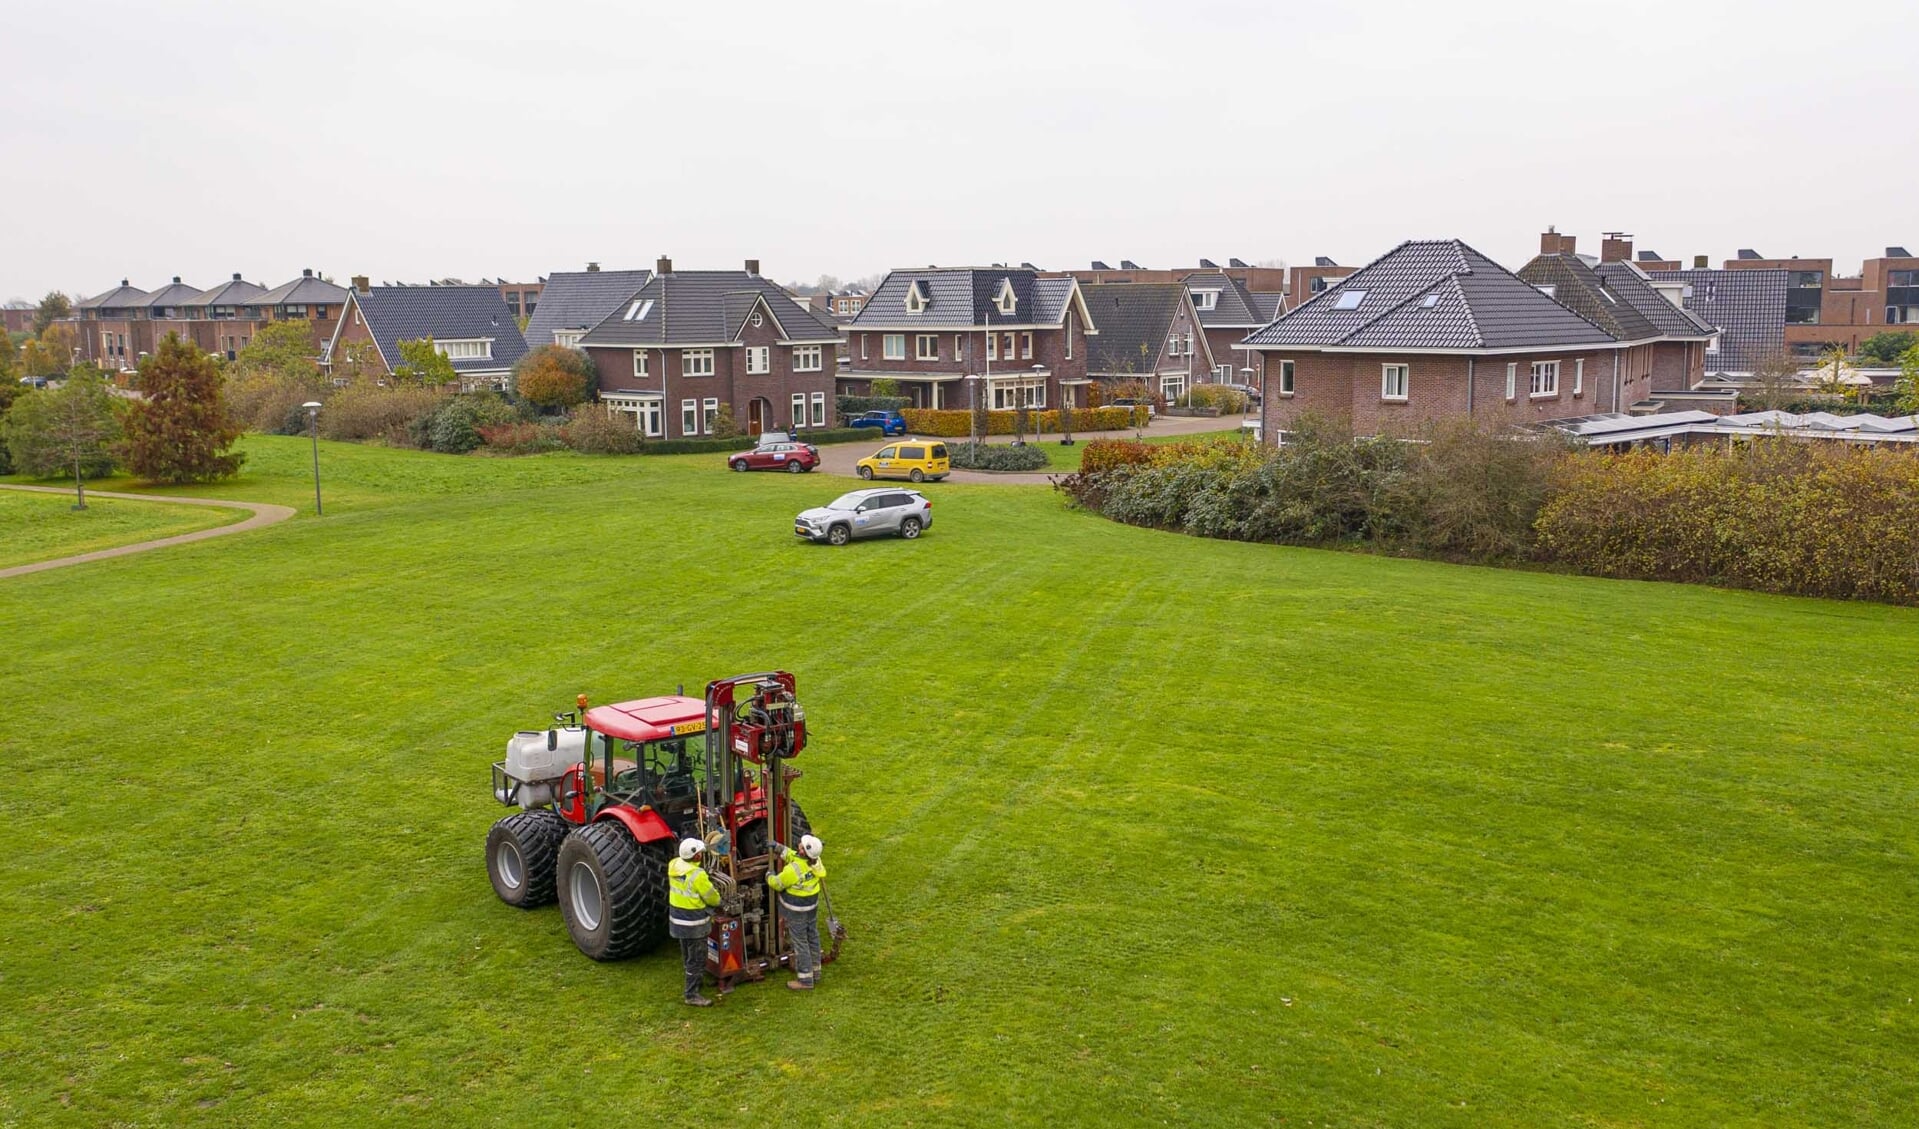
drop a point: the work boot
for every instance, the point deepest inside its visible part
(799, 985)
(697, 1000)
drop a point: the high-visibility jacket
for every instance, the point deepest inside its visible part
(799, 882)
(690, 893)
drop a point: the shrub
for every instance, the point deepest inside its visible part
(268, 402)
(392, 416)
(1468, 492)
(724, 425)
(1105, 454)
(886, 386)
(454, 428)
(696, 446)
(997, 456)
(594, 432)
(849, 406)
(521, 438)
(954, 424)
(1229, 401)
(554, 376)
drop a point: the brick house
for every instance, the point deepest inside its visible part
(17, 316)
(113, 328)
(171, 309)
(224, 318)
(1024, 337)
(687, 342)
(1620, 298)
(1306, 283)
(1434, 330)
(1229, 310)
(308, 298)
(1149, 332)
(576, 301)
(470, 326)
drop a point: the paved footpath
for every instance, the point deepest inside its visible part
(839, 458)
(264, 513)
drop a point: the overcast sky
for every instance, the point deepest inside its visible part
(410, 139)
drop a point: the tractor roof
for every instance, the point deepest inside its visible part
(649, 719)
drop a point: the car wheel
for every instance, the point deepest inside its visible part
(838, 535)
(738, 464)
(910, 528)
(866, 472)
(916, 476)
(795, 468)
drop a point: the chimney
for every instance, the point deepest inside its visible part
(360, 283)
(176, 280)
(664, 266)
(1699, 262)
(753, 267)
(592, 268)
(124, 282)
(306, 273)
(1615, 247)
(236, 276)
(1553, 243)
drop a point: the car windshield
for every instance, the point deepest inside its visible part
(846, 502)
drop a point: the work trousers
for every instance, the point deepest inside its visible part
(804, 929)
(693, 956)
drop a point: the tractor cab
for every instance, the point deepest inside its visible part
(607, 794)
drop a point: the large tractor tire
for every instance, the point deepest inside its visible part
(612, 892)
(520, 854)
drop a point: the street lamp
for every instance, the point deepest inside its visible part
(972, 408)
(313, 425)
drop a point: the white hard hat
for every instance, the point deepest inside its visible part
(810, 846)
(690, 847)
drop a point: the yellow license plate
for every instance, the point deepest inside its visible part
(686, 727)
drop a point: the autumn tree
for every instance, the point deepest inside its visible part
(180, 430)
(1776, 380)
(554, 376)
(422, 363)
(51, 309)
(282, 349)
(1908, 386)
(49, 354)
(70, 428)
(9, 363)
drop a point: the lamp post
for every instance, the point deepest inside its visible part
(972, 408)
(1247, 379)
(313, 425)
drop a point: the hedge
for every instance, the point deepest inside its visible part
(850, 406)
(954, 424)
(697, 446)
(998, 456)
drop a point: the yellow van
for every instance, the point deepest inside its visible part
(917, 459)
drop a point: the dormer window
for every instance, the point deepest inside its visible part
(916, 297)
(1205, 299)
(1006, 302)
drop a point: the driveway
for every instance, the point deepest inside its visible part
(264, 513)
(839, 458)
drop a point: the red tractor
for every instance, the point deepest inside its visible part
(607, 794)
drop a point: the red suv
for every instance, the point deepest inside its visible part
(795, 458)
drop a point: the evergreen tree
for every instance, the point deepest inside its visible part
(180, 431)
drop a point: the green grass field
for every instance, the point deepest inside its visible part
(40, 527)
(1126, 827)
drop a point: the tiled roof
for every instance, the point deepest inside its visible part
(1434, 294)
(704, 307)
(580, 300)
(307, 290)
(1748, 307)
(1270, 305)
(173, 294)
(1633, 284)
(445, 313)
(965, 296)
(233, 292)
(1579, 288)
(1133, 320)
(120, 297)
(1235, 307)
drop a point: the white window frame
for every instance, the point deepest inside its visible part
(1396, 382)
(1172, 386)
(992, 345)
(1542, 382)
(921, 341)
(1007, 301)
(1069, 336)
(915, 298)
(959, 346)
(1010, 393)
(465, 348)
(696, 362)
(689, 418)
(759, 360)
(862, 346)
(1205, 299)
(799, 410)
(807, 358)
(1579, 376)
(1286, 387)
(1026, 346)
(1512, 380)
(567, 338)
(888, 349)
(639, 362)
(819, 409)
(709, 408)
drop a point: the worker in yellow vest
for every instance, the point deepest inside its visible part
(691, 897)
(798, 886)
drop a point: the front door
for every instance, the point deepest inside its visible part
(756, 417)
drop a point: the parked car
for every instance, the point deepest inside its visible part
(1130, 402)
(889, 423)
(1251, 391)
(795, 458)
(917, 459)
(867, 513)
(774, 438)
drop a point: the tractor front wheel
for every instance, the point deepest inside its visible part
(520, 852)
(611, 894)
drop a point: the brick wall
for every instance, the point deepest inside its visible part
(1348, 386)
(730, 383)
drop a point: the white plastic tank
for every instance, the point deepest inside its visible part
(544, 754)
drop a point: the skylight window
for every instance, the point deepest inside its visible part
(1349, 299)
(639, 309)
(1429, 301)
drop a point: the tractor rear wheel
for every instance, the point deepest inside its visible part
(520, 852)
(611, 893)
